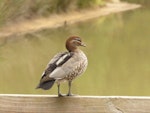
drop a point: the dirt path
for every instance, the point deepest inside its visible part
(55, 21)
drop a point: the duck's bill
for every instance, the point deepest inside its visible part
(82, 44)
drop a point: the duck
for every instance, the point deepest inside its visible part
(65, 66)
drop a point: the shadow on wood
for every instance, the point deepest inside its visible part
(12, 103)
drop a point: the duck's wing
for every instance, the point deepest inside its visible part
(57, 61)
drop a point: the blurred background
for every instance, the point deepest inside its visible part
(118, 48)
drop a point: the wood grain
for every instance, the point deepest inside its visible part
(12, 103)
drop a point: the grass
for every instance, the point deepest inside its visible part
(18, 10)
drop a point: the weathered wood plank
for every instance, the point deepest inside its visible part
(12, 103)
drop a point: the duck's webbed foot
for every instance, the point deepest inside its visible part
(61, 95)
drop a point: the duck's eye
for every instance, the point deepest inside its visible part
(77, 39)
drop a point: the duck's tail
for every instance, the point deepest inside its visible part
(46, 85)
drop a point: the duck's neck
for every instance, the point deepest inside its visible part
(71, 48)
(75, 50)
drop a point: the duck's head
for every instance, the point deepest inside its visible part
(73, 42)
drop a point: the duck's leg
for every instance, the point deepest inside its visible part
(59, 94)
(69, 91)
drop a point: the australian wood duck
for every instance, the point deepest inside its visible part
(65, 66)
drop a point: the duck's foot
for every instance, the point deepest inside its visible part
(61, 95)
(70, 94)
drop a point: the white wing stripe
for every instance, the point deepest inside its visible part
(61, 59)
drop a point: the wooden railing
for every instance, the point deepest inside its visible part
(12, 103)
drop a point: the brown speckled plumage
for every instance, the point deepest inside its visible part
(65, 66)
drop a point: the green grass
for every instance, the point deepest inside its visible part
(89, 3)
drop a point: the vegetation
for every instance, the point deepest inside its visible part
(90, 3)
(14, 10)
(145, 2)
